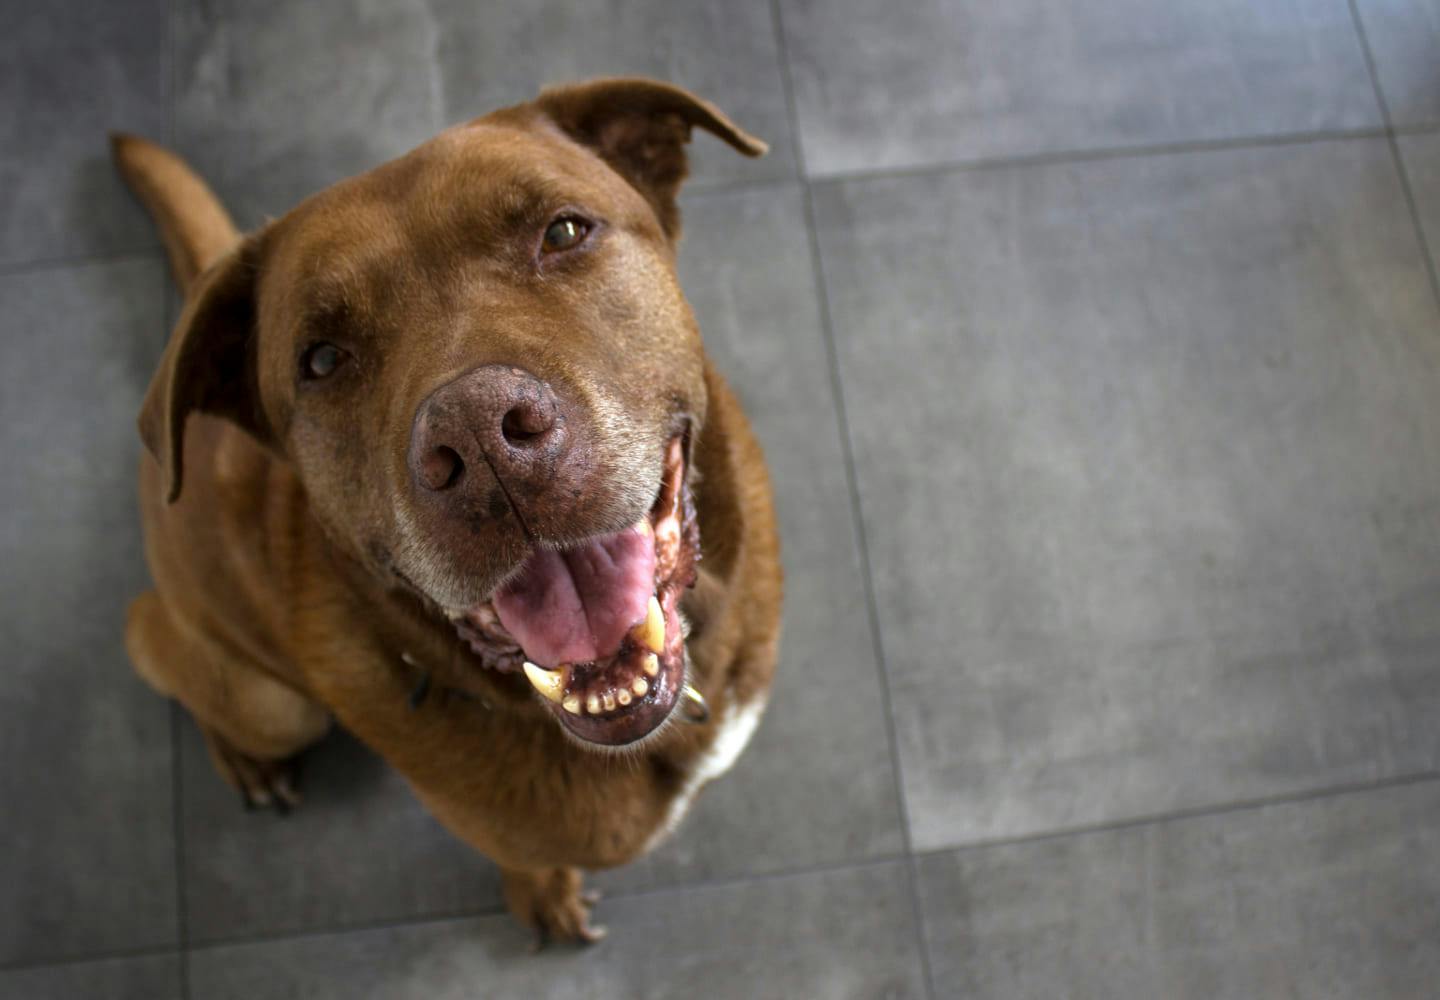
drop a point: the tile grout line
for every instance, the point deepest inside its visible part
(857, 515)
(724, 882)
(87, 957)
(704, 189)
(907, 858)
(21, 268)
(500, 910)
(170, 73)
(1423, 128)
(1390, 135)
(177, 777)
(1187, 815)
(177, 833)
(1062, 156)
(1103, 154)
(872, 612)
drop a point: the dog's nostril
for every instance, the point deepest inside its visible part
(524, 423)
(441, 468)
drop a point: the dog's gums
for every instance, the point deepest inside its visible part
(567, 601)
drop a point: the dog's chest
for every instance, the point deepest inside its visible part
(732, 734)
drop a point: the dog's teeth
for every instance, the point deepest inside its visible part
(571, 704)
(550, 683)
(592, 705)
(608, 699)
(639, 687)
(652, 664)
(697, 701)
(697, 709)
(622, 696)
(667, 544)
(651, 632)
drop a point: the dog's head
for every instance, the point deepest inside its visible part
(479, 362)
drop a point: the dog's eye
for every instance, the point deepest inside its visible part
(321, 360)
(564, 234)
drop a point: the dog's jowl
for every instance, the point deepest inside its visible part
(439, 454)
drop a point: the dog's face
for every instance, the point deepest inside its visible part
(476, 347)
(480, 364)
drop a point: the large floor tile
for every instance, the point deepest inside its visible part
(880, 84)
(835, 935)
(1336, 897)
(359, 849)
(71, 71)
(1149, 456)
(1421, 154)
(1404, 38)
(87, 859)
(817, 784)
(154, 977)
(277, 100)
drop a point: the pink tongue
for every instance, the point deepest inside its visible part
(576, 606)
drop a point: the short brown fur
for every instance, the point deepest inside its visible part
(295, 580)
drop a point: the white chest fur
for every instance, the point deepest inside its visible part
(732, 732)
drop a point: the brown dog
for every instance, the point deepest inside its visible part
(435, 453)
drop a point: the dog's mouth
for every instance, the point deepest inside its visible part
(596, 627)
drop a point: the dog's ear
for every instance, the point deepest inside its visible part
(209, 364)
(640, 128)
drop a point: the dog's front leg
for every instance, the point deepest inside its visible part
(552, 902)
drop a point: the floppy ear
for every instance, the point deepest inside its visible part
(209, 364)
(640, 128)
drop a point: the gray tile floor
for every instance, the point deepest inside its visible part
(1097, 353)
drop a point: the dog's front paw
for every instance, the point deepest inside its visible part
(552, 903)
(263, 784)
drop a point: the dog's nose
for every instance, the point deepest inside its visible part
(494, 416)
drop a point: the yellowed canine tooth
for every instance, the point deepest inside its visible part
(651, 632)
(696, 709)
(550, 683)
(695, 696)
(571, 704)
(639, 687)
(592, 705)
(652, 664)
